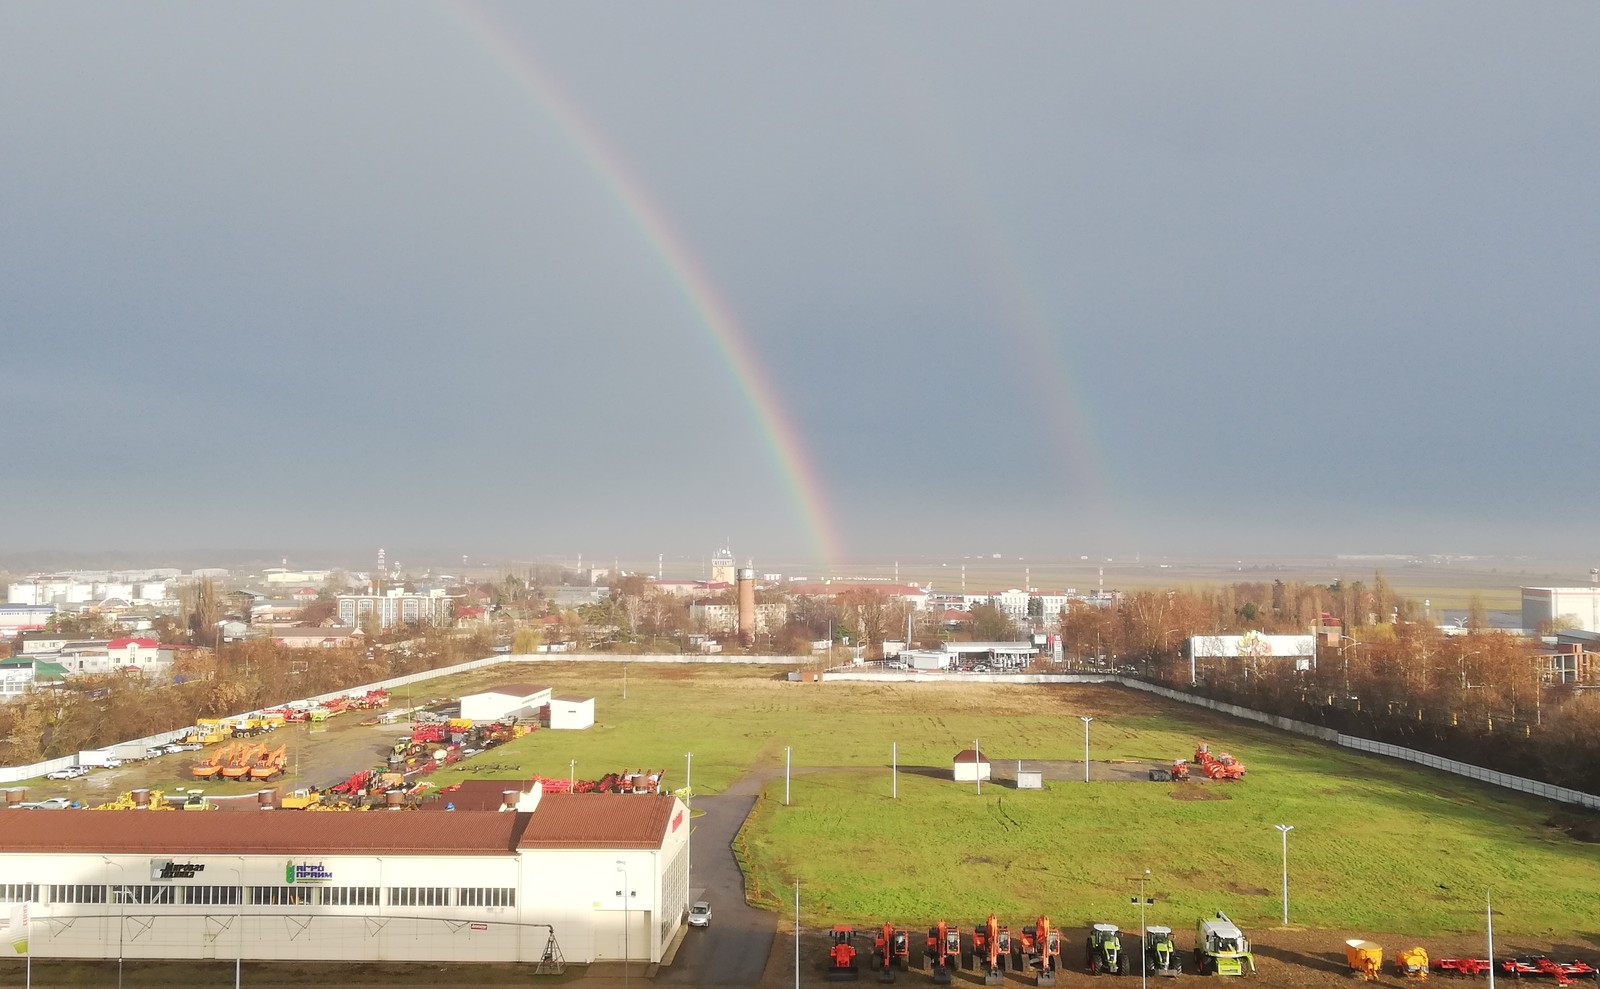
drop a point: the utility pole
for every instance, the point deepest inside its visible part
(1085, 719)
(1143, 901)
(1284, 830)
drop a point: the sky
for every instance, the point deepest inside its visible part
(821, 281)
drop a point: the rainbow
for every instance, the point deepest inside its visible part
(732, 340)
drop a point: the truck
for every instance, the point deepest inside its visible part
(129, 751)
(99, 759)
(1220, 948)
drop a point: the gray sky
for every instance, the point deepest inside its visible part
(1046, 279)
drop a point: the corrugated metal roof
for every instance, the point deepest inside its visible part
(261, 833)
(599, 820)
(514, 690)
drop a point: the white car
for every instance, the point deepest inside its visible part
(70, 773)
(173, 748)
(53, 803)
(700, 914)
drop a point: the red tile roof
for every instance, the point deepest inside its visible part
(476, 795)
(599, 820)
(967, 755)
(125, 643)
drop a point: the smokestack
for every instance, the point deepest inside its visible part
(747, 604)
(508, 799)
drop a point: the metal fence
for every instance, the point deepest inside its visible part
(1521, 784)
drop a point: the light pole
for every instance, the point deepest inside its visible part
(786, 775)
(572, 774)
(688, 841)
(122, 912)
(1284, 830)
(1085, 719)
(622, 868)
(1144, 967)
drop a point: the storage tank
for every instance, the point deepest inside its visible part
(747, 604)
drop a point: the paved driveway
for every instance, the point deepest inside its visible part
(734, 950)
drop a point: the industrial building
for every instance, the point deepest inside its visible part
(580, 877)
(1547, 608)
(507, 700)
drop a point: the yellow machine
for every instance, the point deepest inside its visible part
(1412, 963)
(1364, 957)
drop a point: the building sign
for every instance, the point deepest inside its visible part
(677, 820)
(480, 927)
(166, 870)
(306, 872)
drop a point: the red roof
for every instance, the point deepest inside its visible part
(956, 615)
(967, 755)
(471, 612)
(125, 643)
(563, 820)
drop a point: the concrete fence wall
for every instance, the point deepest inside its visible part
(1548, 791)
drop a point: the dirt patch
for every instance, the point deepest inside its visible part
(1191, 791)
(1579, 827)
(1238, 890)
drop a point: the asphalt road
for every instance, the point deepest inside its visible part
(734, 950)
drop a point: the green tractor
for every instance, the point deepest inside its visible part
(1161, 952)
(1103, 952)
(1220, 948)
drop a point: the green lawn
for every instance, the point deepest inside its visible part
(1377, 845)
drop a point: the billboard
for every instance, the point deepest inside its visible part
(1251, 645)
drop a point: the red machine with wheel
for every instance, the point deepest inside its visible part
(1039, 951)
(1565, 973)
(1463, 966)
(942, 956)
(842, 955)
(890, 948)
(991, 950)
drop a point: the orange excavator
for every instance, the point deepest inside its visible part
(942, 956)
(269, 764)
(213, 763)
(890, 948)
(842, 955)
(1039, 951)
(239, 765)
(991, 950)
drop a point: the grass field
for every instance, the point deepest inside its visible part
(1377, 844)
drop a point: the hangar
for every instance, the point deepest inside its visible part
(504, 701)
(584, 877)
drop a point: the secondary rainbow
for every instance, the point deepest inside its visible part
(732, 341)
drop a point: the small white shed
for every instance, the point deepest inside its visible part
(970, 767)
(505, 700)
(571, 713)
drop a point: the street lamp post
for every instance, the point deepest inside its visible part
(622, 868)
(1144, 966)
(1284, 830)
(688, 841)
(1085, 719)
(786, 754)
(238, 956)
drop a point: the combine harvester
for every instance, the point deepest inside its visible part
(942, 955)
(1221, 766)
(842, 955)
(890, 948)
(1038, 951)
(1161, 955)
(1103, 952)
(991, 950)
(1220, 948)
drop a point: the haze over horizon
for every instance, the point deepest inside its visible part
(825, 282)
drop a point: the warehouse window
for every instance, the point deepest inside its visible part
(77, 893)
(419, 896)
(281, 896)
(19, 892)
(144, 894)
(479, 896)
(348, 896)
(209, 896)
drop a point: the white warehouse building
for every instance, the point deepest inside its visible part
(576, 878)
(1571, 607)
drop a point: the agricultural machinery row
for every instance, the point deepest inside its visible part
(1366, 962)
(1034, 951)
(1219, 766)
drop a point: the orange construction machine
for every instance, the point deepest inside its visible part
(842, 955)
(269, 764)
(991, 950)
(1039, 951)
(890, 948)
(1221, 766)
(239, 766)
(942, 956)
